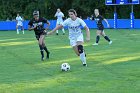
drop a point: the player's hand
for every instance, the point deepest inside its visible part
(45, 31)
(108, 25)
(35, 26)
(49, 33)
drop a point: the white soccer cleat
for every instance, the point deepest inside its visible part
(110, 42)
(95, 44)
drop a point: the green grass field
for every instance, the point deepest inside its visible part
(111, 68)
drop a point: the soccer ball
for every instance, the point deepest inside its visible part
(65, 67)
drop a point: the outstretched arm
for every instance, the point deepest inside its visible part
(87, 33)
(56, 28)
(107, 23)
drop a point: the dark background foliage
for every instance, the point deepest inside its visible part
(47, 8)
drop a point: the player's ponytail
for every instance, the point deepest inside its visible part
(72, 10)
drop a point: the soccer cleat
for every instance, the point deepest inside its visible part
(110, 42)
(85, 65)
(56, 33)
(48, 55)
(95, 44)
(63, 33)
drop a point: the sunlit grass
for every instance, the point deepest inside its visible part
(123, 59)
(111, 68)
(17, 43)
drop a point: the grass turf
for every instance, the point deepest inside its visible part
(111, 68)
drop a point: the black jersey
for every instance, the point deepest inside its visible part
(99, 20)
(39, 25)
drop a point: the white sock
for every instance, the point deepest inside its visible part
(63, 30)
(56, 31)
(23, 31)
(17, 31)
(83, 58)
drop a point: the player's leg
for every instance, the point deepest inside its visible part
(63, 31)
(80, 48)
(22, 29)
(17, 28)
(46, 49)
(77, 45)
(63, 28)
(75, 48)
(57, 30)
(98, 33)
(40, 37)
(106, 37)
(81, 52)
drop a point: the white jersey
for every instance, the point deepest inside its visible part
(74, 27)
(19, 20)
(59, 16)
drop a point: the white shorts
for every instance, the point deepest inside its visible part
(19, 24)
(59, 22)
(75, 39)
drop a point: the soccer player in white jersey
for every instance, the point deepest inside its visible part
(75, 34)
(59, 16)
(19, 23)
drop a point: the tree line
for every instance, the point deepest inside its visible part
(47, 8)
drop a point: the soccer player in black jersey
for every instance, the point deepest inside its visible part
(37, 24)
(100, 27)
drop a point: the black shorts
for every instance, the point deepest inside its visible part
(100, 28)
(39, 34)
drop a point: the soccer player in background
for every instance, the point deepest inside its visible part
(75, 34)
(100, 27)
(59, 16)
(37, 24)
(19, 23)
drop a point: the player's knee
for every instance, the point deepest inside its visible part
(80, 49)
(40, 43)
(98, 34)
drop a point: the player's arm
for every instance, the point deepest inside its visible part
(106, 22)
(92, 17)
(55, 14)
(54, 30)
(63, 15)
(48, 25)
(86, 28)
(87, 33)
(16, 21)
(31, 27)
(65, 23)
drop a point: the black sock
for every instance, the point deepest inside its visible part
(97, 39)
(106, 37)
(41, 50)
(48, 53)
(45, 48)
